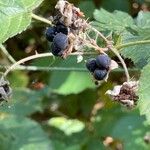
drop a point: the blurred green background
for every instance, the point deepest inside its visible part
(58, 107)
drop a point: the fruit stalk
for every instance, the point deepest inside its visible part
(41, 19)
(115, 51)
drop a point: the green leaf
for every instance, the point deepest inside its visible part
(76, 83)
(58, 78)
(73, 142)
(140, 53)
(143, 19)
(124, 126)
(68, 126)
(20, 133)
(15, 16)
(94, 144)
(23, 103)
(107, 119)
(62, 146)
(116, 21)
(18, 79)
(70, 82)
(144, 92)
(131, 127)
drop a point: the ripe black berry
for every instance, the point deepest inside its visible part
(100, 74)
(60, 41)
(91, 65)
(50, 33)
(103, 61)
(61, 28)
(56, 51)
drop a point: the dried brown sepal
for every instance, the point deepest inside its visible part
(125, 94)
(71, 16)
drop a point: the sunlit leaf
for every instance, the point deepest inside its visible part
(75, 83)
(15, 16)
(68, 126)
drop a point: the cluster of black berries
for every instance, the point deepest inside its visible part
(99, 66)
(58, 36)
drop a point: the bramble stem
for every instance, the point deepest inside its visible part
(7, 54)
(95, 47)
(25, 60)
(37, 56)
(41, 19)
(115, 51)
(100, 34)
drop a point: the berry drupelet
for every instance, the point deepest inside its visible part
(103, 61)
(60, 43)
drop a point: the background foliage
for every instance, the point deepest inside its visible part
(61, 108)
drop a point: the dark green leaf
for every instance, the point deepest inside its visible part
(130, 127)
(24, 102)
(144, 92)
(20, 133)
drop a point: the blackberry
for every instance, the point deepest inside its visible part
(61, 28)
(100, 74)
(50, 33)
(103, 61)
(60, 41)
(91, 65)
(56, 51)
